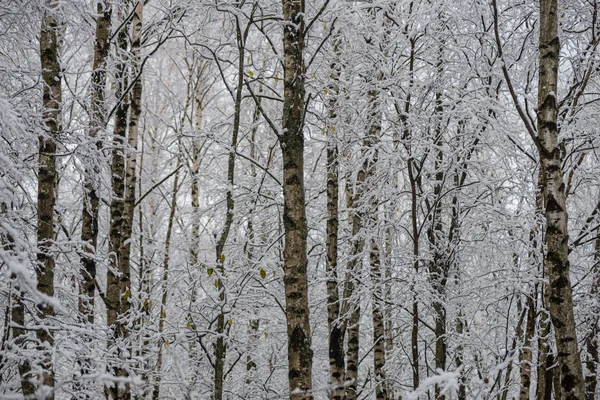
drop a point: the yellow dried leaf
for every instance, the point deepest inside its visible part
(163, 314)
(167, 342)
(324, 27)
(127, 294)
(326, 91)
(276, 77)
(222, 258)
(230, 322)
(251, 74)
(216, 284)
(209, 271)
(263, 273)
(188, 325)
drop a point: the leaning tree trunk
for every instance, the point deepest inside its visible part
(294, 206)
(46, 198)
(557, 237)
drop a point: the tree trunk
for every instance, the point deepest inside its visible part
(89, 215)
(132, 143)
(165, 282)
(557, 236)
(294, 206)
(377, 298)
(526, 352)
(16, 324)
(336, 334)
(195, 240)
(591, 341)
(350, 304)
(379, 358)
(460, 329)
(414, 183)
(118, 279)
(221, 346)
(46, 198)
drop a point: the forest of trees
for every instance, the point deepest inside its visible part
(269, 199)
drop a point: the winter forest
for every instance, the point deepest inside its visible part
(328, 199)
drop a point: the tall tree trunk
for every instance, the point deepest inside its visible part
(254, 323)
(144, 288)
(591, 341)
(17, 323)
(557, 236)
(526, 352)
(438, 269)
(387, 299)
(89, 215)
(350, 304)
(544, 355)
(195, 242)
(377, 298)
(414, 181)
(379, 358)
(46, 197)
(460, 330)
(336, 334)
(532, 317)
(20, 337)
(294, 207)
(165, 282)
(118, 280)
(221, 346)
(91, 184)
(135, 111)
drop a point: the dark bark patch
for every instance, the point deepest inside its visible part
(552, 205)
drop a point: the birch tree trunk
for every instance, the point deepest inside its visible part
(557, 236)
(351, 304)
(46, 197)
(294, 207)
(377, 297)
(135, 111)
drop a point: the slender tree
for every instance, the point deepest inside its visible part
(91, 201)
(46, 197)
(294, 209)
(118, 290)
(572, 384)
